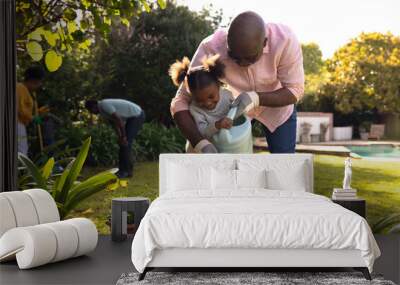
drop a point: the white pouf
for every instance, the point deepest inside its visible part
(31, 231)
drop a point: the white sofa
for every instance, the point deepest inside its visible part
(31, 231)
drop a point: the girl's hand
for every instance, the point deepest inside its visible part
(224, 123)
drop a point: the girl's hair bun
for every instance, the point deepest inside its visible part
(210, 71)
(214, 65)
(179, 70)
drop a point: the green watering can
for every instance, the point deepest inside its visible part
(237, 139)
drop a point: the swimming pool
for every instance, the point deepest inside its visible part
(375, 151)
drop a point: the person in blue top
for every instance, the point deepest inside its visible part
(127, 119)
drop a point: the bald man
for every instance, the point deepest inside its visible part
(264, 69)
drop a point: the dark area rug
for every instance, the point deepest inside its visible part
(243, 278)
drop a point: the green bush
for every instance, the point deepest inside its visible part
(104, 150)
(155, 138)
(152, 140)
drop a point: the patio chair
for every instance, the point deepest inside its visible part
(376, 131)
(31, 231)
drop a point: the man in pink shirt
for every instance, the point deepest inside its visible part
(264, 69)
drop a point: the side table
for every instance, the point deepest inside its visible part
(357, 205)
(120, 207)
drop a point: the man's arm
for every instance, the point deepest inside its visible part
(291, 75)
(278, 98)
(115, 120)
(118, 125)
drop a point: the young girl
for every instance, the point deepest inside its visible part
(210, 102)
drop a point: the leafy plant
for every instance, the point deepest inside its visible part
(51, 29)
(105, 148)
(65, 188)
(152, 140)
(155, 138)
(389, 224)
(59, 151)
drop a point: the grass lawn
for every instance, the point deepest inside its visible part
(377, 181)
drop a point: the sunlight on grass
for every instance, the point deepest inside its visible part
(143, 183)
(376, 181)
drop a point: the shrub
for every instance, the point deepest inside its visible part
(155, 138)
(152, 140)
(105, 148)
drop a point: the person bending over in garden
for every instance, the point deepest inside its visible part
(211, 102)
(127, 119)
(27, 108)
(264, 68)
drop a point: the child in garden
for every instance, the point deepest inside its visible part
(210, 101)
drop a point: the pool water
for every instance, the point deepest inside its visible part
(382, 151)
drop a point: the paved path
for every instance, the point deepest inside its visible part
(339, 150)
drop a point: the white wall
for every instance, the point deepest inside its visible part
(315, 121)
(342, 133)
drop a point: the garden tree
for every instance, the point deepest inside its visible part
(51, 28)
(312, 58)
(315, 76)
(65, 89)
(364, 75)
(135, 66)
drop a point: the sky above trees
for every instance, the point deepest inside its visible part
(330, 24)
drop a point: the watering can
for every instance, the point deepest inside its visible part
(237, 139)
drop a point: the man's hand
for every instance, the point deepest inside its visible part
(278, 98)
(245, 102)
(123, 141)
(224, 123)
(204, 146)
(44, 109)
